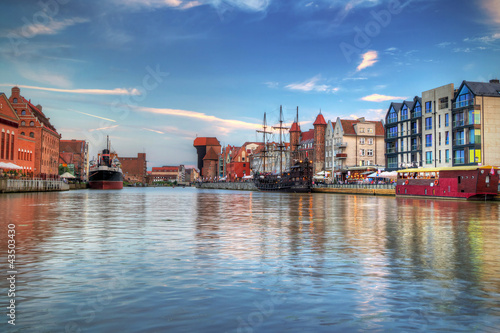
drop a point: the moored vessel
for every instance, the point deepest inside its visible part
(106, 173)
(464, 182)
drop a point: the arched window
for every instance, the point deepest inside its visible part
(15, 100)
(32, 135)
(23, 123)
(32, 123)
(23, 113)
(22, 133)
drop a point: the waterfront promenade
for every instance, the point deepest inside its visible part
(32, 185)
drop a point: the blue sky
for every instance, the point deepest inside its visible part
(154, 74)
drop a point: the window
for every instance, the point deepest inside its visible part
(428, 140)
(428, 157)
(404, 113)
(370, 152)
(439, 121)
(370, 141)
(475, 136)
(361, 152)
(428, 107)
(428, 123)
(474, 155)
(2, 146)
(459, 138)
(447, 155)
(439, 138)
(418, 111)
(465, 98)
(370, 130)
(447, 138)
(23, 123)
(23, 113)
(440, 156)
(15, 100)
(443, 103)
(362, 130)
(392, 132)
(393, 116)
(32, 135)
(22, 133)
(474, 117)
(447, 119)
(459, 157)
(32, 123)
(362, 141)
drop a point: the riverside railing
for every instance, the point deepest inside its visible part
(32, 185)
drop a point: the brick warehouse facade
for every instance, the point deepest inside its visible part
(134, 168)
(34, 125)
(319, 144)
(208, 150)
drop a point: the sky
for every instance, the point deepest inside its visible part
(155, 74)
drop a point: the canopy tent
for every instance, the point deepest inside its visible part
(384, 174)
(248, 177)
(10, 166)
(67, 175)
(322, 173)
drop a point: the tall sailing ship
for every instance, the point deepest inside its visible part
(297, 178)
(106, 173)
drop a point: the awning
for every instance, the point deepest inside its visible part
(67, 175)
(10, 166)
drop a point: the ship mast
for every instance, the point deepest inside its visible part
(281, 145)
(264, 132)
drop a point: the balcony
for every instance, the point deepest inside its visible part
(417, 114)
(341, 144)
(414, 131)
(415, 147)
(392, 135)
(463, 104)
(341, 156)
(459, 142)
(443, 105)
(459, 160)
(458, 123)
(391, 150)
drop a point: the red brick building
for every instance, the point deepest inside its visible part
(35, 125)
(14, 148)
(208, 149)
(165, 173)
(134, 168)
(75, 152)
(319, 144)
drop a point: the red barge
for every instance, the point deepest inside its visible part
(464, 182)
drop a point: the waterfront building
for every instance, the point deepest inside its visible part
(319, 144)
(165, 173)
(14, 148)
(329, 147)
(448, 127)
(192, 175)
(34, 124)
(237, 160)
(437, 127)
(359, 147)
(476, 123)
(208, 150)
(74, 155)
(134, 168)
(404, 134)
(306, 146)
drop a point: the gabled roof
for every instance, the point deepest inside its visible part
(203, 141)
(482, 88)
(320, 120)
(211, 155)
(40, 115)
(65, 158)
(73, 146)
(7, 112)
(348, 126)
(409, 104)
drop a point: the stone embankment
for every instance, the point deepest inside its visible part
(243, 186)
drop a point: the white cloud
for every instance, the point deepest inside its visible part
(381, 98)
(245, 5)
(116, 91)
(484, 39)
(312, 84)
(103, 128)
(52, 27)
(369, 59)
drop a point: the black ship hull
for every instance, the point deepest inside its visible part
(106, 180)
(297, 180)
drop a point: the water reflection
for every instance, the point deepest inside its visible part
(202, 260)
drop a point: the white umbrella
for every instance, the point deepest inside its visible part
(67, 175)
(9, 165)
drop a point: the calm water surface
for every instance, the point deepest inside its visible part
(187, 260)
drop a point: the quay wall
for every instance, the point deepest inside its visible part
(365, 191)
(243, 186)
(19, 185)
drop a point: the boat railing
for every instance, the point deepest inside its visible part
(357, 186)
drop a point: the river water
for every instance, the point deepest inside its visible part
(188, 260)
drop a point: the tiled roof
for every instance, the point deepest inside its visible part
(295, 127)
(203, 141)
(65, 158)
(40, 116)
(74, 146)
(211, 155)
(309, 135)
(348, 126)
(320, 120)
(484, 88)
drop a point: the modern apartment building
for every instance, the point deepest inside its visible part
(476, 123)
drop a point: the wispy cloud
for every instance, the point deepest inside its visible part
(92, 115)
(103, 128)
(233, 124)
(381, 98)
(271, 84)
(245, 5)
(484, 39)
(51, 28)
(492, 7)
(312, 84)
(116, 91)
(369, 59)
(152, 130)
